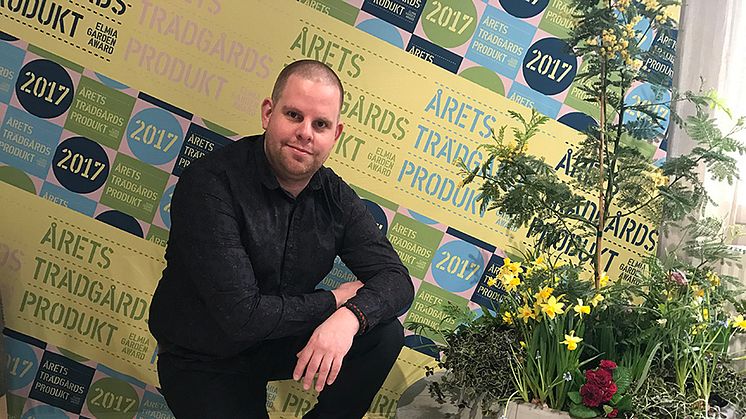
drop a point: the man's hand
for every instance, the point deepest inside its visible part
(346, 291)
(326, 349)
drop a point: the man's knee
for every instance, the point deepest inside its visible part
(386, 338)
(392, 332)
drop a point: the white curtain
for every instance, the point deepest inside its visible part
(712, 47)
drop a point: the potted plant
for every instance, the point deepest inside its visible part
(564, 321)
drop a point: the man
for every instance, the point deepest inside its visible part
(255, 227)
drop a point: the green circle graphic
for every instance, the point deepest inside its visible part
(72, 355)
(217, 128)
(17, 178)
(449, 23)
(112, 399)
(485, 78)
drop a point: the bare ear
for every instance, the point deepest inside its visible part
(340, 127)
(267, 106)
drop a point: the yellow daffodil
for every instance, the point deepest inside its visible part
(705, 314)
(596, 300)
(571, 341)
(552, 307)
(511, 282)
(739, 322)
(491, 281)
(581, 309)
(507, 318)
(637, 300)
(540, 263)
(697, 291)
(510, 267)
(526, 313)
(713, 278)
(523, 344)
(544, 294)
(604, 280)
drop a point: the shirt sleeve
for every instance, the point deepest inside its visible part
(205, 234)
(388, 289)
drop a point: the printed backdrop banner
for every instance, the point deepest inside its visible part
(104, 103)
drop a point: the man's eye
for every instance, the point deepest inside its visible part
(321, 124)
(293, 114)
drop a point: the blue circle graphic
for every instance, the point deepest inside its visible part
(44, 88)
(382, 30)
(7, 37)
(645, 94)
(421, 218)
(457, 266)
(550, 66)
(111, 82)
(378, 215)
(524, 9)
(80, 165)
(46, 412)
(578, 121)
(165, 205)
(423, 345)
(121, 221)
(22, 363)
(154, 136)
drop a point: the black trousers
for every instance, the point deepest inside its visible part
(236, 387)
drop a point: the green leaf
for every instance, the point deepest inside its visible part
(625, 403)
(608, 409)
(623, 379)
(580, 411)
(575, 397)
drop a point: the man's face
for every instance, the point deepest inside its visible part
(301, 128)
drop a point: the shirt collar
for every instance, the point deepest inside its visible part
(268, 177)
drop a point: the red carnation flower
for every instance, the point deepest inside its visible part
(610, 391)
(599, 377)
(592, 396)
(607, 365)
(599, 387)
(613, 413)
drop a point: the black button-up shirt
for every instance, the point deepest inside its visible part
(244, 256)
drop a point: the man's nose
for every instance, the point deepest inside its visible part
(304, 131)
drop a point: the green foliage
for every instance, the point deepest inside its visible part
(525, 188)
(623, 379)
(657, 399)
(474, 358)
(669, 339)
(581, 411)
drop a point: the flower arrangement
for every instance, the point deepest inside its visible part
(669, 325)
(544, 303)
